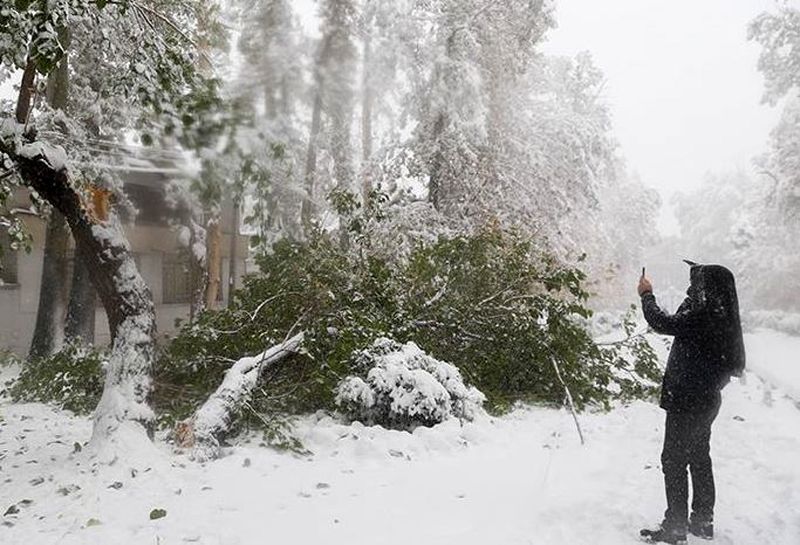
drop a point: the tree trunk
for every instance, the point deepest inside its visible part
(437, 165)
(213, 420)
(26, 90)
(233, 263)
(80, 322)
(286, 101)
(307, 210)
(213, 261)
(366, 124)
(438, 162)
(125, 296)
(57, 91)
(341, 118)
(51, 288)
(198, 271)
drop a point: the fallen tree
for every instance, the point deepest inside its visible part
(204, 430)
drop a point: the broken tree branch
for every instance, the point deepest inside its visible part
(212, 421)
(569, 399)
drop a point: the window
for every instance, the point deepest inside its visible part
(176, 277)
(150, 202)
(177, 280)
(8, 259)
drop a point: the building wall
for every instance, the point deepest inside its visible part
(19, 302)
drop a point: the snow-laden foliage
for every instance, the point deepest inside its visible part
(775, 224)
(124, 71)
(456, 106)
(780, 166)
(735, 218)
(71, 379)
(778, 33)
(489, 304)
(404, 387)
(776, 320)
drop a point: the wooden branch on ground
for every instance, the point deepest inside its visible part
(213, 420)
(569, 399)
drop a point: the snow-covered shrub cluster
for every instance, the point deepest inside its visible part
(71, 378)
(404, 387)
(604, 323)
(786, 322)
(498, 310)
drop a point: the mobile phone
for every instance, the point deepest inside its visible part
(642, 272)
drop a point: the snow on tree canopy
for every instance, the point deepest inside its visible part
(405, 387)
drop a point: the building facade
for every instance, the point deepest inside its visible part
(160, 255)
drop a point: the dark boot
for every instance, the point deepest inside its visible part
(701, 528)
(666, 533)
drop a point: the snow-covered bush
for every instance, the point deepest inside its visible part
(489, 303)
(404, 387)
(604, 322)
(778, 320)
(71, 378)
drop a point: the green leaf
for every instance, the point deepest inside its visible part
(158, 514)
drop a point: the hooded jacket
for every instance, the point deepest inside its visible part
(708, 348)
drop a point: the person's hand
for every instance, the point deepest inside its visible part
(644, 285)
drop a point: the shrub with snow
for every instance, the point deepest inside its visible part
(72, 378)
(404, 387)
(778, 320)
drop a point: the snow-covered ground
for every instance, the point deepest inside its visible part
(520, 479)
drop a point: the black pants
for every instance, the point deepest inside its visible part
(687, 444)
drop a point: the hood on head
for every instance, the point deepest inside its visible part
(714, 288)
(714, 278)
(713, 285)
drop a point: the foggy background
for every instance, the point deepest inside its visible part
(682, 83)
(685, 101)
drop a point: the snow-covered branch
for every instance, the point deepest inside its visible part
(204, 431)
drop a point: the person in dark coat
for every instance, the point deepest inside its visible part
(707, 350)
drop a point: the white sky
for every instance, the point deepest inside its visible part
(682, 83)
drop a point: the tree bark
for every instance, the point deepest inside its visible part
(125, 296)
(198, 278)
(51, 288)
(366, 123)
(437, 165)
(213, 261)
(233, 263)
(341, 119)
(26, 90)
(80, 321)
(438, 161)
(307, 210)
(204, 431)
(57, 90)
